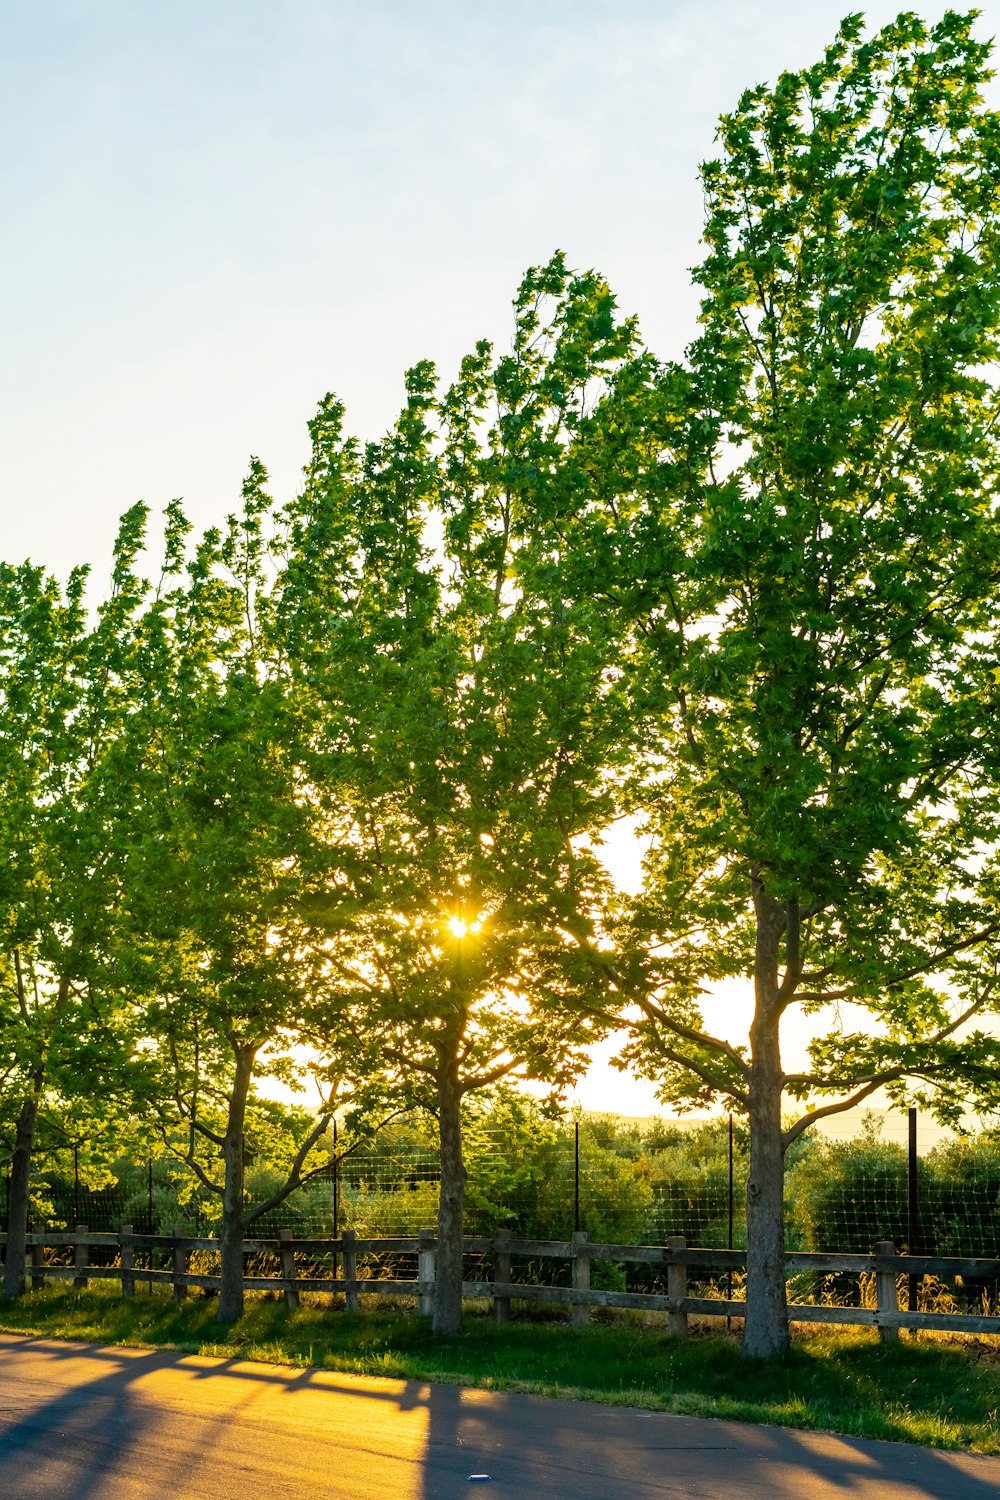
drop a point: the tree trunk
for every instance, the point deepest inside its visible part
(233, 1226)
(451, 1211)
(17, 1216)
(766, 1329)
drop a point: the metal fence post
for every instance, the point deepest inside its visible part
(127, 1250)
(151, 1227)
(425, 1272)
(351, 1300)
(502, 1274)
(885, 1292)
(677, 1275)
(912, 1208)
(336, 1184)
(180, 1264)
(81, 1255)
(37, 1263)
(288, 1268)
(580, 1315)
(729, 1238)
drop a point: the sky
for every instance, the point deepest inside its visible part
(215, 212)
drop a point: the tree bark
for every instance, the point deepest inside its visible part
(766, 1328)
(451, 1210)
(233, 1227)
(17, 1217)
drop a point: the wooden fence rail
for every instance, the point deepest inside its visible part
(677, 1258)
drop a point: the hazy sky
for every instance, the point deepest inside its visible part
(214, 212)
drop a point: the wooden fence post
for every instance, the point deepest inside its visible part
(580, 1312)
(677, 1284)
(288, 1268)
(81, 1256)
(37, 1263)
(501, 1273)
(425, 1272)
(885, 1293)
(351, 1300)
(127, 1250)
(181, 1255)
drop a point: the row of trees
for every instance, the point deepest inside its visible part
(328, 797)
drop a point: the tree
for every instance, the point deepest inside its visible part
(462, 731)
(215, 850)
(65, 694)
(810, 591)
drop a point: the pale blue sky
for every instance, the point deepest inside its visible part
(216, 211)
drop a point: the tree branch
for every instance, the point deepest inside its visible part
(692, 1034)
(297, 1178)
(926, 966)
(889, 1075)
(702, 1071)
(192, 1162)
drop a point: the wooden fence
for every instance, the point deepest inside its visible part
(676, 1258)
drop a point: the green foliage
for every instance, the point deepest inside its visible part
(217, 841)
(804, 578)
(67, 690)
(329, 798)
(458, 727)
(962, 1203)
(690, 1181)
(509, 1148)
(817, 645)
(848, 1196)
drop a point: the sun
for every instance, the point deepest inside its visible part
(460, 928)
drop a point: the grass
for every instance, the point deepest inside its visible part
(925, 1389)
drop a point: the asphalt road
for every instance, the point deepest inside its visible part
(85, 1422)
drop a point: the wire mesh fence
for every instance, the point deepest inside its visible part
(623, 1182)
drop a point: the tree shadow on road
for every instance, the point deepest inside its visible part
(113, 1422)
(533, 1446)
(93, 1431)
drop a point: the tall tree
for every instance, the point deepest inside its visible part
(66, 683)
(811, 566)
(463, 715)
(214, 859)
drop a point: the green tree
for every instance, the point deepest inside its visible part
(66, 691)
(463, 715)
(808, 579)
(215, 850)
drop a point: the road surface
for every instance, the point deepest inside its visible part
(87, 1422)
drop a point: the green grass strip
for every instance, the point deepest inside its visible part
(921, 1390)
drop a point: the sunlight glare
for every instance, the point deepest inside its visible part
(460, 928)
